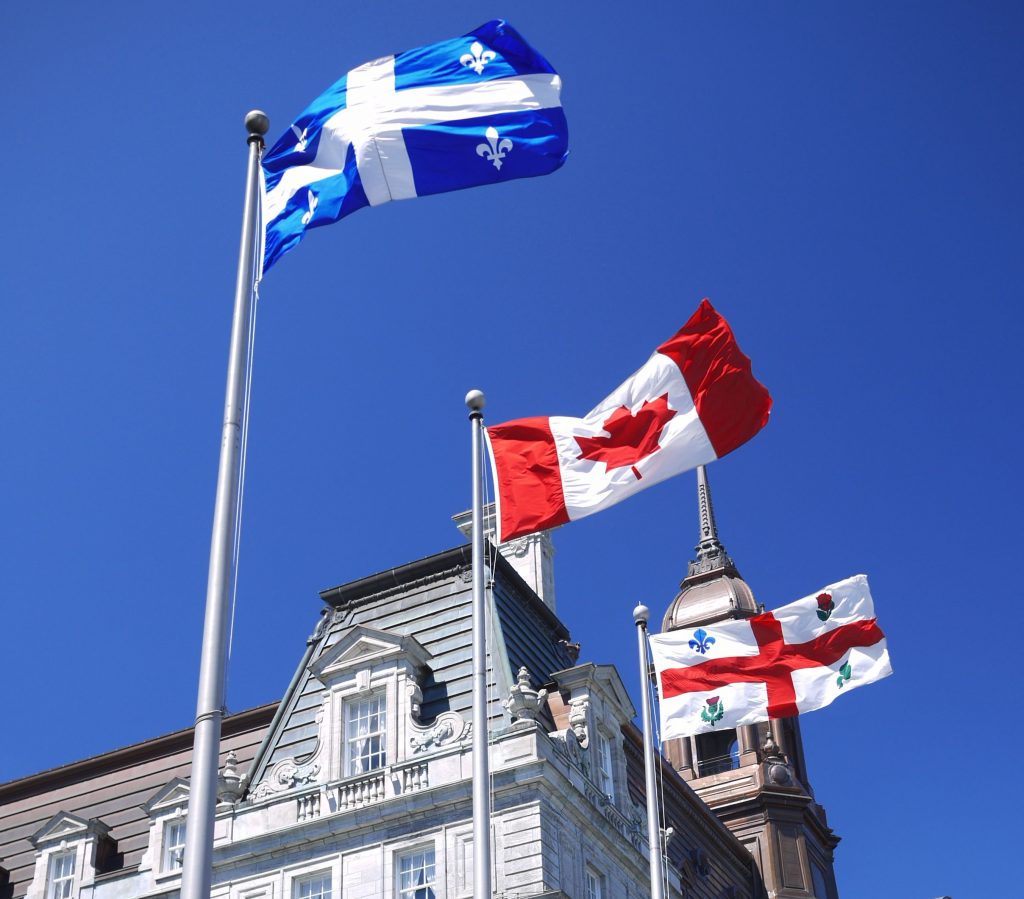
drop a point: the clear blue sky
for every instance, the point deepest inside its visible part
(843, 180)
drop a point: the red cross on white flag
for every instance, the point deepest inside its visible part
(774, 665)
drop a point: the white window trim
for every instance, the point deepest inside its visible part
(320, 866)
(605, 752)
(592, 873)
(347, 702)
(436, 886)
(160, 870)
(309, 877)
(51, 880)
(394, 852)
(166, 864)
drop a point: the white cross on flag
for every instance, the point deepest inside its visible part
(692, 402)
(796, 659)
(478, 109)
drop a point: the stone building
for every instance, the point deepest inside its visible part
(357, 784)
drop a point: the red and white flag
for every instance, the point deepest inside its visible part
(796, 659)
(692, 402)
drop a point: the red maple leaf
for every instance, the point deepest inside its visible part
(631, 437)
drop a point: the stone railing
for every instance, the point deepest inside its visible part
(365, 789)
(308, 806)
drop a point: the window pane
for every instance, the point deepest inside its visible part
(316, 887)
(416, 875)
(366, 734)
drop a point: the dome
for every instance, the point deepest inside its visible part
(706, 598)
(712, 589)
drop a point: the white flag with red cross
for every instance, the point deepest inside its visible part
(775, 665)
(692, 402)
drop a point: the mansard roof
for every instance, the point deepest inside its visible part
(429, 604)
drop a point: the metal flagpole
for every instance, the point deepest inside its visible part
(197, 870)
(640, 616)
(481, 769)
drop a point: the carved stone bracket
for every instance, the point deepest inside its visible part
(578, 713)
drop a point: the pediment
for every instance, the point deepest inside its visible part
(65, 826)
(363, 647)
(174, 794)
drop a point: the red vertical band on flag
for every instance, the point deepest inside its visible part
(731, 403)
(528, 478)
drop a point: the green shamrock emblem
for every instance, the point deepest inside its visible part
(845, 673)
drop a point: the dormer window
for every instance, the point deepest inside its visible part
(605, 776)
(174, 845)
(62, 875)
(365, 734)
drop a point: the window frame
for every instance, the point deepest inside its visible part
(53, 879)
(410, 853)
(605, 765)
(381, 734)
(301, 880)
(593, 883)
(168, 864)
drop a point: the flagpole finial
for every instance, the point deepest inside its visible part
(476, 401)
(641, 615)
(257, 123)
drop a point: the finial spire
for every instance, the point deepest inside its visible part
(711, 555)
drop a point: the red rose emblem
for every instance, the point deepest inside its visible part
(825, 602)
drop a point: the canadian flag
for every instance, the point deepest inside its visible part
(692, 402)
(777, 664)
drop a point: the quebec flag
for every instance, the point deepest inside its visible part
(478, 109)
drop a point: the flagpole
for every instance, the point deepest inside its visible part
(640, 616)
(481, 768)
(197, 873)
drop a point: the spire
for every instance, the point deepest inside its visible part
(711, 555)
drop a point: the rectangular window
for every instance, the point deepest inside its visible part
(365, 735)
(316, 886)
(174, 845)
(605, 780)
(62, 875)
(593, 884)
(417, 874)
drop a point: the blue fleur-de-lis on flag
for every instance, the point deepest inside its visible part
(701, 642)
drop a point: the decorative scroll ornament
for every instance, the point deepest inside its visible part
(448, 727)
(524, 703)
(290, 774)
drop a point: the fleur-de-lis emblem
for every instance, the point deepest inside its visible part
(477, 57)
(701, 642)
(300, 147)
(494, 150)
(313, 201)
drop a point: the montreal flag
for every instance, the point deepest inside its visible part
(692, 402)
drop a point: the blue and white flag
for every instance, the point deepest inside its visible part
(473, 110)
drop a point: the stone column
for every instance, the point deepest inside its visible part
(747, 735)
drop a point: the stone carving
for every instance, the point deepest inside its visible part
(568, 745)
(415, 701)
(289, 774)
(230, 784)
(325, 619)
(578, 713)
(524, 703)
(448, 727)
(776, 768)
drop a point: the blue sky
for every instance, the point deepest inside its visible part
(842, 180)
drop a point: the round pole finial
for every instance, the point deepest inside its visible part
(641, 614)
(257, 122)
(475, 400)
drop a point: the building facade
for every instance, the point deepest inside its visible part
(358, 784)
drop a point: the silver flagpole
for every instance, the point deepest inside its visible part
(481, 768)
(197, 870)
(640, 616)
